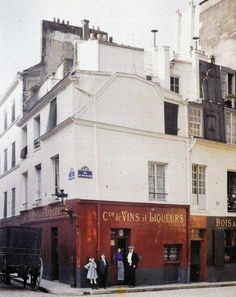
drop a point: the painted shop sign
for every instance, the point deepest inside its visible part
(225, 222)
(148, 217)
(85, 172)
(42, 213)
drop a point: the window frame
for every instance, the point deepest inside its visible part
(195, 121)
(174, 84)
(159, 193)
(13, 154)
(56, 173)
(13, 201)
(5, 205)
(199, 186)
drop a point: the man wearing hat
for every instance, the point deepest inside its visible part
(131, 265)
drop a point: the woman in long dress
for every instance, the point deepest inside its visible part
(119, 258)
(92, 273)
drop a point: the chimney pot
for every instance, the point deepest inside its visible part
(110, 39)
(67, 23)
(58, 20)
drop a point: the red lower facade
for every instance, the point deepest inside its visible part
(159, 233)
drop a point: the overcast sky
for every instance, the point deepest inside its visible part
(128, 21)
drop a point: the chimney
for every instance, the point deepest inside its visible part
(85, 24)
(111, 39)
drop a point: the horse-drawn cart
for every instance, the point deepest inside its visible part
(20, 255)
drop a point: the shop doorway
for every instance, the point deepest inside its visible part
(195, 269)
(120, 238)
(54, 255)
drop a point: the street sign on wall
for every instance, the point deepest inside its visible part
(85, 172)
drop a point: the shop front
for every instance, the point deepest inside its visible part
(159, 234)
(198, 248)
(221, 258)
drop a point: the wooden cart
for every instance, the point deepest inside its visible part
(20, 255)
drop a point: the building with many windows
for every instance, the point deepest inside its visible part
(110, 147)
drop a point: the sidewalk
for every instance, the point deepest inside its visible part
(57, 288)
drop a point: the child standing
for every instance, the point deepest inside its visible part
(92, 273)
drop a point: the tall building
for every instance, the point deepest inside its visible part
(117, 146)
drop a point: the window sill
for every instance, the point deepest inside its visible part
(9, 171)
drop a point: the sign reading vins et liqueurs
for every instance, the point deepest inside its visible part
(147, 217)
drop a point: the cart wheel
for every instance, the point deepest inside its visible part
(7, 279)
(36, 276)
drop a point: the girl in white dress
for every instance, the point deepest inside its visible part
(92, 273)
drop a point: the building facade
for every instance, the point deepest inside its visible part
(110, 153)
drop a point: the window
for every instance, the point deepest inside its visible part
(39, 183)
(13, 154)
(25, 178)
(5, 120)
(171, 118)
(52, 120)
(227, 83)
(230, 246)
(230, 121)
(195, 121)
(231, 190)
(56, 173)
(37, 132)
(13, 111)
(198, 186)
(24, 150)
(5, 206)
(174, 84)
(5, 160)
(13, 201)
(156, 180)
(171, 252)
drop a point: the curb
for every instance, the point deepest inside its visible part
(122, 290)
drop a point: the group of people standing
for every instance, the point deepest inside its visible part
(126, 267)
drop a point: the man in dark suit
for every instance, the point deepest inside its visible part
(103, 267)
(131, 265)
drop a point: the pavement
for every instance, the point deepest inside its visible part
(57, 288)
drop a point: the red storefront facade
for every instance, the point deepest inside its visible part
(159, 233)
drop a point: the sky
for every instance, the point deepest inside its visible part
(129, 22)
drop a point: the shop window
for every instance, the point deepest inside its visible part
(174, 84)
(156, 181)
(198, 186)
(230, 246)
(171, 118)
(171, 252)
(195, 121)
(231, 190)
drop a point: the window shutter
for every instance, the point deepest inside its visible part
(171, 118)
(219, 250)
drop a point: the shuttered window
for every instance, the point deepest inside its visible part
(171, 118)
